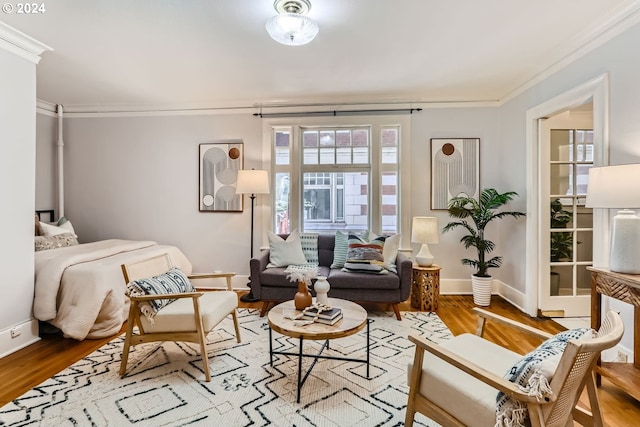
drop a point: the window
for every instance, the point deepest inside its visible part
(330, 177)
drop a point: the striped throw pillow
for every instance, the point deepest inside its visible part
(365, 256)
(342, 246)
(173, 281)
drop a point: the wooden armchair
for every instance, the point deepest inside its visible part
(460, 379)
(189, 318)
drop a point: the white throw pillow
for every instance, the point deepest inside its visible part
(49, 230)
(283, 253)
(390, 252)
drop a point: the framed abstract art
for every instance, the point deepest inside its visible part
(455, 170)
(219, 166)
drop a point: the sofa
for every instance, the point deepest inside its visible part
(271, 285)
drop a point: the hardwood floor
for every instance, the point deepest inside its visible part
(26, 368)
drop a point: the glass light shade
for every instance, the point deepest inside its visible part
(252, 182)
(292, 29)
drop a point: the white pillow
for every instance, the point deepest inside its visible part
(390, 252)
(283, 253)
(49, 230)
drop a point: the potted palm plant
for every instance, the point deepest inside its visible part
(474, 216)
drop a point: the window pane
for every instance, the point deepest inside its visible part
(310, 156)
(327, 138)
(310, 138)
(361, 155)
(561, 280)
(560, 145)
(360, 137)
(343, 138)
(343, 156)
(390, 145)
(282, 224)
(560, 183)
(390, 202)
(335, 201)
(327, 156)
(282, 148)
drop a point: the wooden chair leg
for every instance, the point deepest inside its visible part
(414, 385)
(396, 310)
(235, 324)
(127, 340)
(201, 339)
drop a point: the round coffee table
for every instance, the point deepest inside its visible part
(354, 319)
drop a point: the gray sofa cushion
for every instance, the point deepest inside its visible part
(346, 280)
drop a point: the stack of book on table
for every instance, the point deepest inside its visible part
(327, 317)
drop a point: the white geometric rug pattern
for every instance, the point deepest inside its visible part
(165, 383)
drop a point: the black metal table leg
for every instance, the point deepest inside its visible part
(368, 323)
(299, 371)
(270, 348)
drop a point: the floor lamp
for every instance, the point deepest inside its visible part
(618, 187)
(252, 182)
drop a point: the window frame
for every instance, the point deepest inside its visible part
(376, 124)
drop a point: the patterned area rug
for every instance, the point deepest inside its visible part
(165, 383)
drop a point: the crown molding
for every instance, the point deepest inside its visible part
(620, 21)
(46, 108)
(17, 42)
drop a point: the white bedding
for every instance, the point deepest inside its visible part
(80, 289)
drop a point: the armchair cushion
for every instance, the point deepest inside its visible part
(173, 281)
(283, 253)
(178, 316)
(452, 389)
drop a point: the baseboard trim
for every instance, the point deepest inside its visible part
(498, 287)
(26, 334)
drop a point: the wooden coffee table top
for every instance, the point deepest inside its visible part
(354, 320)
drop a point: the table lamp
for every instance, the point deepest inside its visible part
(425, 230)
(618, 187)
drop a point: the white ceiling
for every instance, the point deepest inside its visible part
(126, 54)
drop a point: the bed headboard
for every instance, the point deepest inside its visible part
(49, 212)
(38, 217)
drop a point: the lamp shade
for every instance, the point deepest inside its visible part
(618, 187)
(252, 182)
(425, 229)
(614, 187)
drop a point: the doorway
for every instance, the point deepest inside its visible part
(566, 228)
(590, 95)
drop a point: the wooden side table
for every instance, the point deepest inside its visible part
(623, 287)
(425, 287)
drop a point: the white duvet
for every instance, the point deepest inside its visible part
(80, 289)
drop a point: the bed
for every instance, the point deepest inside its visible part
(79, 288)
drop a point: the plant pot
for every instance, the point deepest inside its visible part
(554, 284)
(481, 287)
(303, 298)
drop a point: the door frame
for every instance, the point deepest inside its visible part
(596, 90)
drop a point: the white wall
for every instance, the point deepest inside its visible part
(46, 132)
(623, 67)
(137, 178)
(17, 186)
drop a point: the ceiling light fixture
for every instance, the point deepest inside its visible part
(290, 26)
